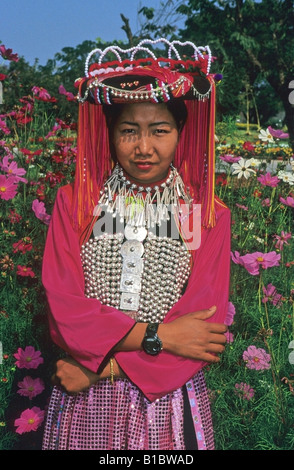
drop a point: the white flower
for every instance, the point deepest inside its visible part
(265, 136)
(254, 162)
(286, 176)
(241, 168)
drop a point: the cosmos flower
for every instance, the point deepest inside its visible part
(23, 245)
(42, 94)
(3, 127)
(230, 314)
(286, 176)
(268, 180)
(254, 261)
(30, 387)
(68, 94)
(40, 211)
(8, 187)
(29, 420)
(7, 54)
(265, 136)
(271, 295)
(244, 391)
(28, 358)
(242, 168)
(289, 201)
(281, 239)
(229, 158)
(256, 358)
(25, 271)
(278, 133)
(12, 169)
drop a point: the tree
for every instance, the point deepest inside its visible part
(252, 39)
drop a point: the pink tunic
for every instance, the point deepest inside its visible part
(88, 330)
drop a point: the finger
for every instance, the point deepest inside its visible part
(215, 348)
(204, 314)
(217, 338)
(219, 328)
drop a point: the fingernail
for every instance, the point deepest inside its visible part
(212, 308)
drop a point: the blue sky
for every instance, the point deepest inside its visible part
(40, 28)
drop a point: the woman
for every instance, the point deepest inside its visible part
(137, 298)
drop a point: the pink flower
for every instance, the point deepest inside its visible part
(55, 128)
(256, 358)
(42, 94)
(40, 211)
(3, 127)
(28, 358)
(30, 387)
(281, 239)
(252, 262)
(266, 202)
(248, 146)
(244, 391)
(240, 206)
(13, 170)
(29, 420)
(229, 158)
(268, 180)
(289, 201)
(230, 314)
(69, 96)
(8, 187)
(229, 337)
(23, 245)
(7, 54)
(271, 295)
(25, 271)
(277, 133)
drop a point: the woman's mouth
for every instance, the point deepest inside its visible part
(144, 165)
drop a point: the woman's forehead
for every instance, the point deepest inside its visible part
(145, 113)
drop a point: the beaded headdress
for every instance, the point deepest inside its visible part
(134, 78)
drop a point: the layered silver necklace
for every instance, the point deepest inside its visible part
(142, 207)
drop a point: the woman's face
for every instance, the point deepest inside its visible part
(145, 138)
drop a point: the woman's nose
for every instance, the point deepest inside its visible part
(144, 145)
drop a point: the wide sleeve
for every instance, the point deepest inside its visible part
(208, 285)
(81, 326)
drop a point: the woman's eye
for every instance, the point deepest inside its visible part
(128, 131)
(161, 131)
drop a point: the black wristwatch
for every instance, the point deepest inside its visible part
(151, 343)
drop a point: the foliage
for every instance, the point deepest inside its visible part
(253, 41)
(262, 419)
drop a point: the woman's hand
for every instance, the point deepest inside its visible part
(192, 337)
(74, 378)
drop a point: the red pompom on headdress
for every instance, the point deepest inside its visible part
(155, 80)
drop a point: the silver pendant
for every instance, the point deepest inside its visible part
(130, 283)
(129, 301)
(132, 266)
(132, 249)
(135, 233)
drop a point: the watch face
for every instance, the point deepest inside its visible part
(152, 345)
